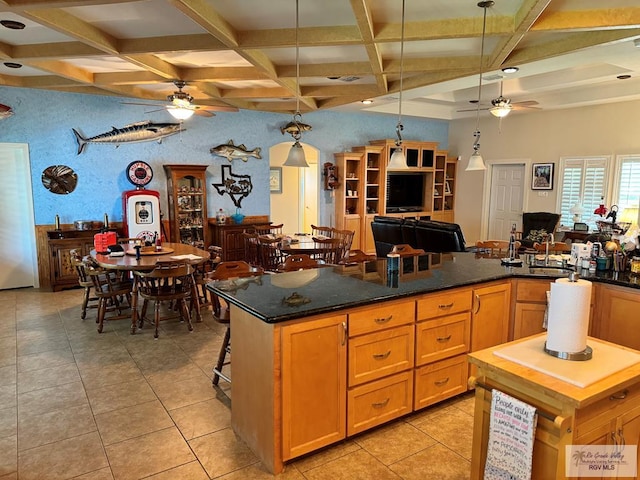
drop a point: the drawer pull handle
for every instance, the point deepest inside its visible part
(619, 396)
(380, 404)
(443, 339)
(383, 320)
(443, 306)
(381, 356)
(439, 383)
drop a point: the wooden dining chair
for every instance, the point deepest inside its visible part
(357, 256)
(88, 299)
(110, 290)
(554, 247)
(250, 240)
(298, 261)
(168, 281)
(269, 254)
(320, 232)
(346, 239)
(226, 271)
(275, 231)
(329, 250)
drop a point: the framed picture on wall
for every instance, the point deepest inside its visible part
(275, 179)
(542, 178)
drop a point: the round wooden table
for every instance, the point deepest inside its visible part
(146, 263)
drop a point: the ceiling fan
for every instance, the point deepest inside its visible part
(182, 106)
(502, 106)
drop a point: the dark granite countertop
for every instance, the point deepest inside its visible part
(286, 296)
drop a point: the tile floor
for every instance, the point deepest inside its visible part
(82, 405)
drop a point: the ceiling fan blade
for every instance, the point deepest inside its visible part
(216, 108)
(204, 113)
(525, 107)
(144, 104)
(474, 109)
(526, 103)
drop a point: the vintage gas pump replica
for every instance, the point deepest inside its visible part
(141, 207)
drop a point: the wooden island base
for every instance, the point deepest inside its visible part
(597, 414)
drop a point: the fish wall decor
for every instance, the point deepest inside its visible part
(230, 151)
(235, 185)
(294, 128)
(145, 131)
(5, 111)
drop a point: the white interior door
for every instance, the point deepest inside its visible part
(505, 208)
(18, 262)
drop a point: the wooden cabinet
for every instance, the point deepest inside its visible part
(615, 316)
(529, 308)
(442, 342)
(60, 243)
(381, 359)
(229, 238)
(314, 357)
(490, 317)
(365, 187)
(350, 194)
(604, 412)
(187, 190)
(444, 184)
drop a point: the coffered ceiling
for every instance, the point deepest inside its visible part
(242, 53)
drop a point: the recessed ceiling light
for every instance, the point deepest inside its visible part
(510, 69)
(623, 77)
(367, 101)
(12, 65)
(12, 24)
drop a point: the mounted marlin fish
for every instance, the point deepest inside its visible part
(145, 131)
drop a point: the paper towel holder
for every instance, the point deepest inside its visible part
(585, 354)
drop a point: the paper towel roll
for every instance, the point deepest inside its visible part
(568, 321)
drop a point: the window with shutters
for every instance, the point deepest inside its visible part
(584, 181)
(626, 188)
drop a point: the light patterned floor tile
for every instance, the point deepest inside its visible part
(47, 377)
(65, 459)
(51, 399)
(149, 454)
(8, 375)
(190, 471)
(52, 358)
(121, 395)
(180, 393)
(453, 429)
(8, 421)
(222, 452)
(39, 429)
(118, 425)
(359, 465)
(8, 455)
(201, 418)
(394, 442)
(434, 463)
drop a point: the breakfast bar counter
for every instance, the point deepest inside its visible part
(320, 355)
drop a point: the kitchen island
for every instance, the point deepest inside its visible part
(320, 355)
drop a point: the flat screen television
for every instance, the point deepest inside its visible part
(405, 192)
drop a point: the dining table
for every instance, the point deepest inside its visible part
(302, 244)
(146, 261)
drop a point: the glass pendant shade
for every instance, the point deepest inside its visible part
(398, 160)
(180, 113)
(296, 156)
(475, 162)
(500, 112)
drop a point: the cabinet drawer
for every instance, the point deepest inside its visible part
(378, 402)
(387, 315)
(442, 338)
(532, 290)
(603, 411)
(380, 354)
(454, 301)
(440, 380)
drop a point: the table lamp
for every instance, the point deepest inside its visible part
(577, 210)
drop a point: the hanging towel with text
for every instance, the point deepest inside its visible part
(512, 430)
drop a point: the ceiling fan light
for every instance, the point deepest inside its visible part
(180, 113)
(296, 157)
(475, 162)
(500, 112)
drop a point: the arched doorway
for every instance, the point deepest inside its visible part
(297, 206)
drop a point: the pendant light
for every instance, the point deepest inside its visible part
(475, 161)
(296, 156)
(398, 160)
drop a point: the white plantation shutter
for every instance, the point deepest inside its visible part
(628, 181)
(585, 180)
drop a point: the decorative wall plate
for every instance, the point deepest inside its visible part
(59, 179)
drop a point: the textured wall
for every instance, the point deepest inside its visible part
(44, 121)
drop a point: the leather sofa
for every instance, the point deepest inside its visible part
(429, 235)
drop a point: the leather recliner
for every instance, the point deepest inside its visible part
(429, 235)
